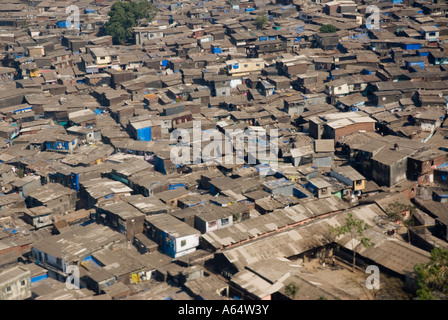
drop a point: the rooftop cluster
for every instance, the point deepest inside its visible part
(353, 121)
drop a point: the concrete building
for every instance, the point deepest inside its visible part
(15, 284)
(175, 238)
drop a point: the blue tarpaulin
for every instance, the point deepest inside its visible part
(416, 63)
(176, 186)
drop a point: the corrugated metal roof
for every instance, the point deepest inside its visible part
(306, 237)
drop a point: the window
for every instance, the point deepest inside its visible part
(224, 221)
(183, 243)
(358, 182)
(212, 224)
(22, 283)
(245, 66)
(8, 289)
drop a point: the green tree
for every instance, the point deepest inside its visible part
(395, 209)
(355, 229)
(124, 16)
(291, 290)
(20, 173)
(223, 70)
(432, 277)
(261, 21)
(328, 28)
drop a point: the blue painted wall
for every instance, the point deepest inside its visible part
(160, 166)
(415, 46)
(54, 145)
(216, 50)
(144, 134)
(167, 246)
(93, 261)
(39, 278)
(74, 181)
